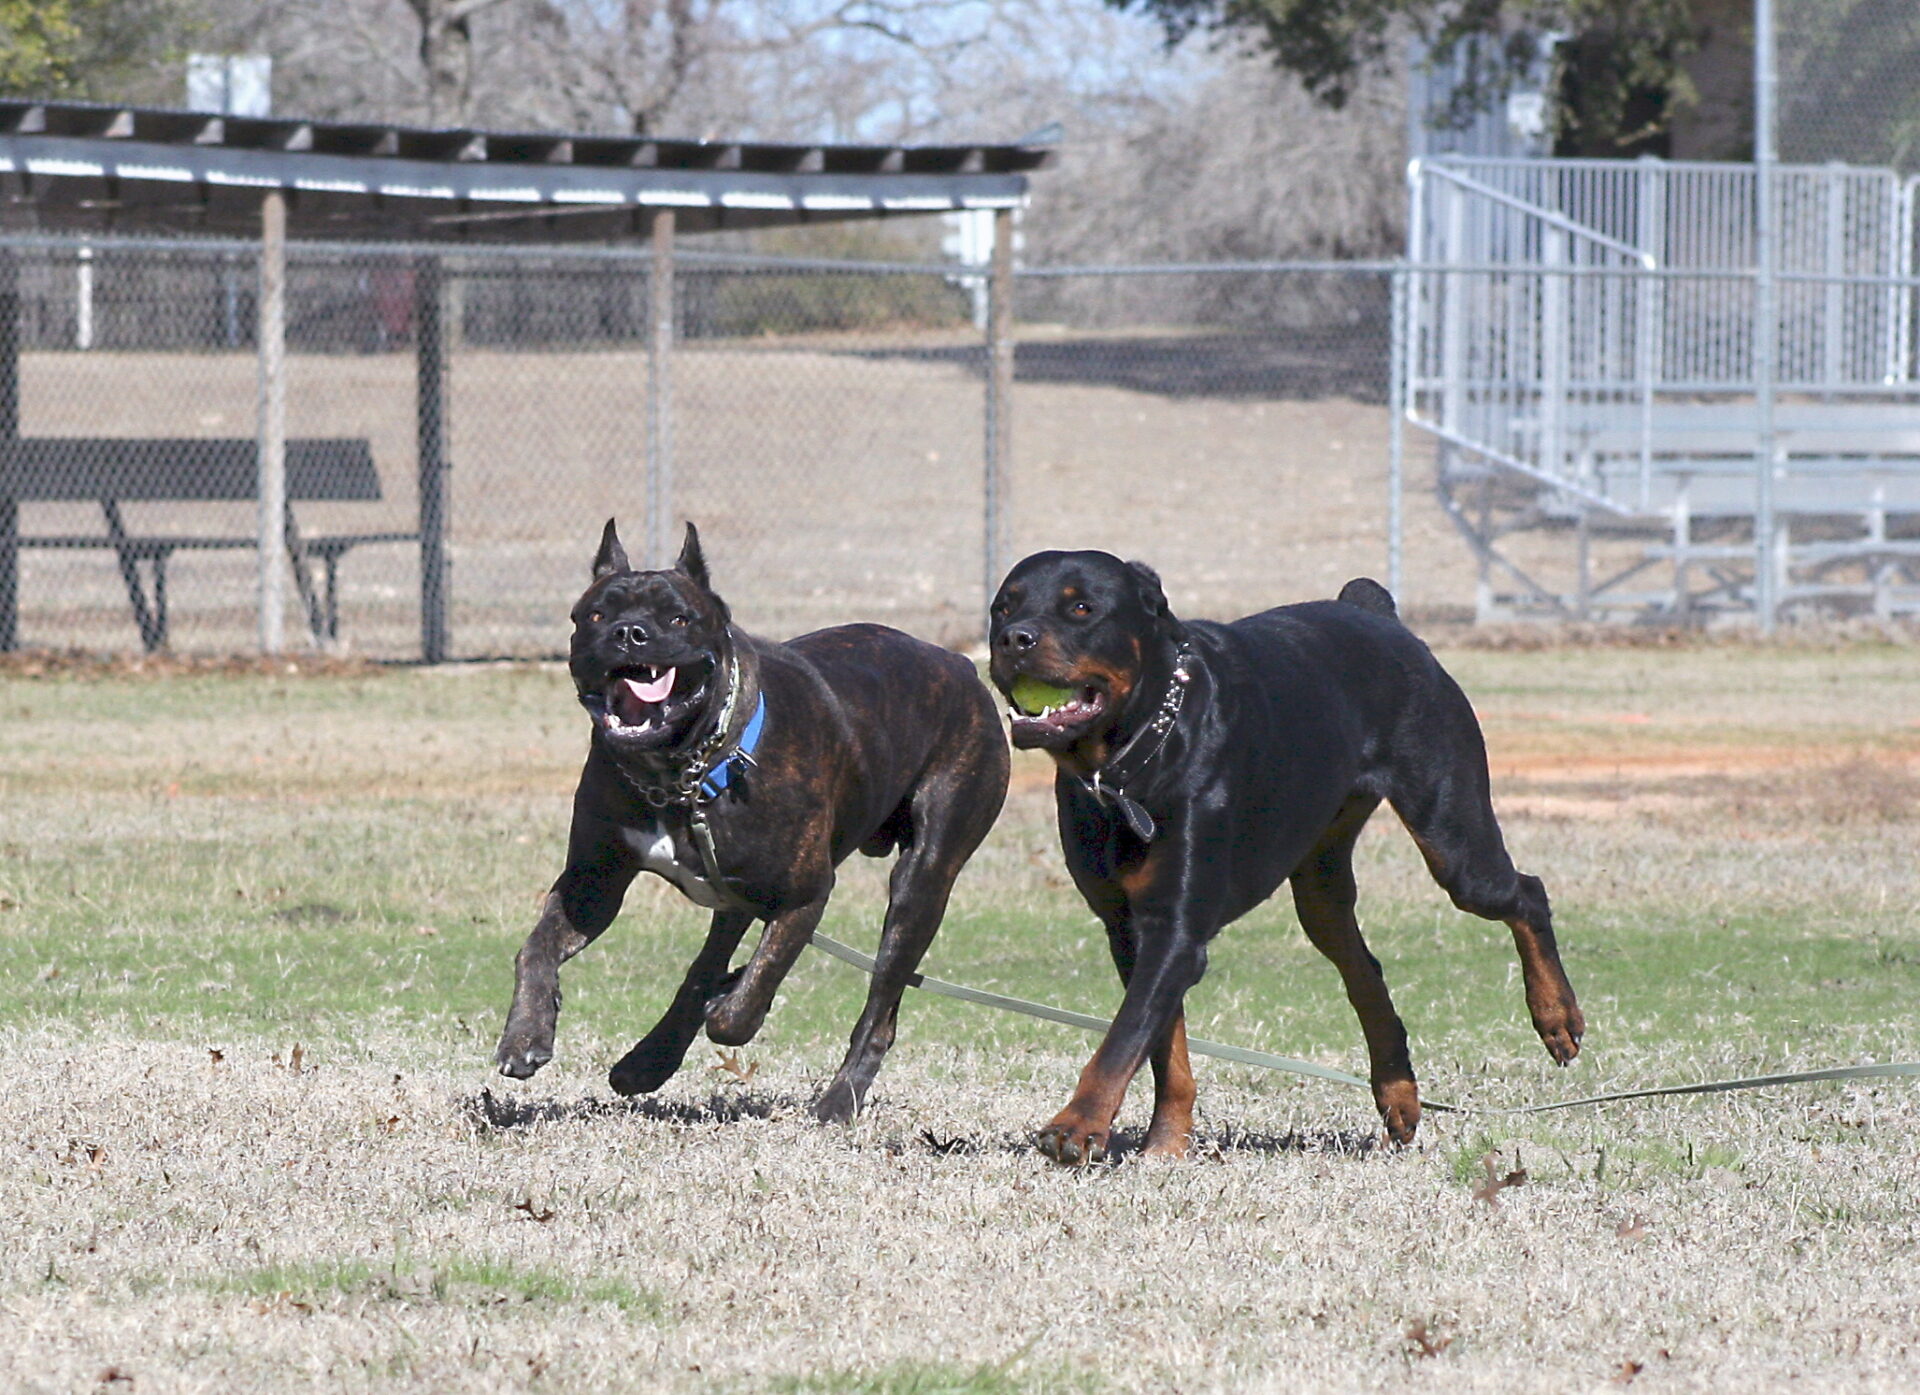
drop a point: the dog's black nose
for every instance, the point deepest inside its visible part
(1015, 638)
(633, 634)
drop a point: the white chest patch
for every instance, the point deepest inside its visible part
(659, 856)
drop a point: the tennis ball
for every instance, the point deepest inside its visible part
(1033, 697)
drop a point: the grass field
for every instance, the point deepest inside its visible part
(257, 929)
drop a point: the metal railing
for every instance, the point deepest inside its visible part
(1623, 337)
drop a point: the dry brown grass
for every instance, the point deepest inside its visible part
(363, 1224)
(1731, 858)
(829, 484)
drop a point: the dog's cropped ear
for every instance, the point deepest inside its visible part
(692, 560)
(611, 557)
(1146, 582)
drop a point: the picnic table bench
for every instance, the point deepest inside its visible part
(113, 471)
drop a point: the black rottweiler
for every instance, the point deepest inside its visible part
(1199, 765)
(744, 772)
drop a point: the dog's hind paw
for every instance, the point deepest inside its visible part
(838, 1105)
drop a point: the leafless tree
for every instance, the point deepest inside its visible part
(447, 57)
(1199, 154)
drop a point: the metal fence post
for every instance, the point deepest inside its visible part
(1398, 347)
(659, 391)
(9, 432)
(273, 422)
(999, 443)
(1765, 316)
(430, 424)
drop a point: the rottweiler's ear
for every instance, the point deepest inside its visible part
(611, 557)
(692, 560)
(1146, 582)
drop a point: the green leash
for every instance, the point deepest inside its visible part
(1267, 1060)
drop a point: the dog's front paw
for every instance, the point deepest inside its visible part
(1560, 1027)
(1073, 1140)
(1399, 1105)
(645, 1068)
(519, 1055)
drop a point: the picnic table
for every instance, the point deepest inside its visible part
(114, 471)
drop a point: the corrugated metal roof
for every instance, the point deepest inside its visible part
(82, 166)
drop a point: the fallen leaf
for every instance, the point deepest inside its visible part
(532, 1211)
(1423, 1343)
(1631, 1229)
(1490, 1189)
(730, 1064)
(1628, 1370)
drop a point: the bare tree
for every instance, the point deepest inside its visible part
(447, 57)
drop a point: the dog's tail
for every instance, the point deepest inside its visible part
(1368, 594)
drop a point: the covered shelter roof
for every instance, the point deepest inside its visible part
(86, 167)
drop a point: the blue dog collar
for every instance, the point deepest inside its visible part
(717, 779)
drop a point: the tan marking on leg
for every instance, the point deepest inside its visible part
(1078, 1134)
(1171, 1132)
(1550, 1001)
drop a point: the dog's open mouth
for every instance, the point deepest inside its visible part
(648, 704)
(1050, 713)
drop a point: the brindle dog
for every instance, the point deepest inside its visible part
(744, 772)
(1200, 765)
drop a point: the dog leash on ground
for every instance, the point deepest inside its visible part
(1267, 1060)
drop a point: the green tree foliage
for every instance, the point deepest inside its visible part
(111, 50)
(1620, 61)
(37, 39)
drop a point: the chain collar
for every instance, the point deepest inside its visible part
(1125, 765)
(687, 788)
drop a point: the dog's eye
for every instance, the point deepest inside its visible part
(1079, 610)
(679, 622)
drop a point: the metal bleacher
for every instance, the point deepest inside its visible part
(1581, 343)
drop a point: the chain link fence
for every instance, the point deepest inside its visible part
(1227, 423)
(823, 423)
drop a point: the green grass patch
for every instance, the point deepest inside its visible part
(455, 1280)
(299, 858)
(915, 1378)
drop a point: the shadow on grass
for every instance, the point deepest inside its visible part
(488, 1111)
(1208, 1145)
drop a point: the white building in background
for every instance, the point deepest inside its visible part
(232, 84)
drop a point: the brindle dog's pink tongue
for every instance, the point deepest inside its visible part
(655, 691)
